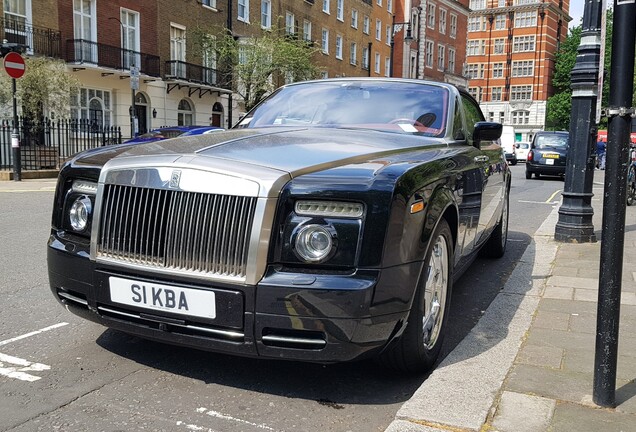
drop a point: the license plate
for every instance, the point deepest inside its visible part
(165, 298)
(549, 161)
(550, 156)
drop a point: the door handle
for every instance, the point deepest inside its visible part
(481, 158)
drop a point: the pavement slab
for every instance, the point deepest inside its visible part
(518, 412)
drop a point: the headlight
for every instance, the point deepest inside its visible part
(314, 243)
(80, 213)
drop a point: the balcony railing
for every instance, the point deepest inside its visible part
(176, 69)
(40, 40)
(82, 51)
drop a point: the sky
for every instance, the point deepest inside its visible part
(576, 12)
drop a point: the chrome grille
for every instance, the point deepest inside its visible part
(176, 230)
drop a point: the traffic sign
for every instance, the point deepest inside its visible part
(14, 65)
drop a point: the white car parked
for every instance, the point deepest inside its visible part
(522, 150)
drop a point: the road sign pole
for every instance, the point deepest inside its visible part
(15, 139)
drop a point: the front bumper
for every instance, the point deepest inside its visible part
(322, 318)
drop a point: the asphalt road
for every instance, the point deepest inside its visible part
(58, 372)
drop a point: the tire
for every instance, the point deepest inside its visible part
(537, 175)
(528, 175)
(513, 162)
(631, 185)
(495, 246)
(418, 348)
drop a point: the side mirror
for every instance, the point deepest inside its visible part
(486, 131)
(516, 145)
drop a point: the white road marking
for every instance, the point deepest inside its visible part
(21, 367)
(4, 342)
(230, 418)
(537, 202)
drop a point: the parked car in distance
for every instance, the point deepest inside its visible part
(548, 154)
(172, 132)
(327, 227)
(522, 148)
(508, 141)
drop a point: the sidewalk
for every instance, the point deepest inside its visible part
(528, 364)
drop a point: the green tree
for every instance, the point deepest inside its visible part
(45, 88)
(559, 105)
(255, 66)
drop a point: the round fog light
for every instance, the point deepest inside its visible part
(314, 243)
(79, 213)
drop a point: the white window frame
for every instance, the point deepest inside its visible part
(525, 43)
(521, 92)
(453, 25)
(324, 42)
(366, 25)
(354, 18)
(365, 58)
(130, 42)
(430, 16)
(430, 45)
(266, 14)
(307, 30)
(452, 56)
(243, 16)
(500, 21)
(290, 23)
(377, 63)
(81, 103)
(441, 57)
(353, 53)
(496, 95)
(442, 21)
(340, 10)
(178, 49)
(326, 6)
(339, 47)
(209, 3)
(525, 19)
(378, 29)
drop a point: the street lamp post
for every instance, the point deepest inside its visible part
(620, 113)
(575, 214)
(408, 37)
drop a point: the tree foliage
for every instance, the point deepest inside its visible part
(255, 66)
(45, 87)
(559, 105)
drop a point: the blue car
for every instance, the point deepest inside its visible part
(173, 132)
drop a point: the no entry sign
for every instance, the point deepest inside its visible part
(14, 65)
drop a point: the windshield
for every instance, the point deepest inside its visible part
(552, 141)
(400, 107)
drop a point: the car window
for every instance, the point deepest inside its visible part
(551, 141)
(473, 115)
(171, 133)
(390, 106)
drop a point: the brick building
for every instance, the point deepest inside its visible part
(510, 58)
(438, 46)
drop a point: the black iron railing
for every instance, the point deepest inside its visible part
(46, 144)
(81, 51)
(176, 69)
(39, 40)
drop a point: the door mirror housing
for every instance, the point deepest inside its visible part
(486, 131)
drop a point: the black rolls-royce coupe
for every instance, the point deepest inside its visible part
(327, 226)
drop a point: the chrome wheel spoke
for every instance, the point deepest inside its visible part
(435, 292)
